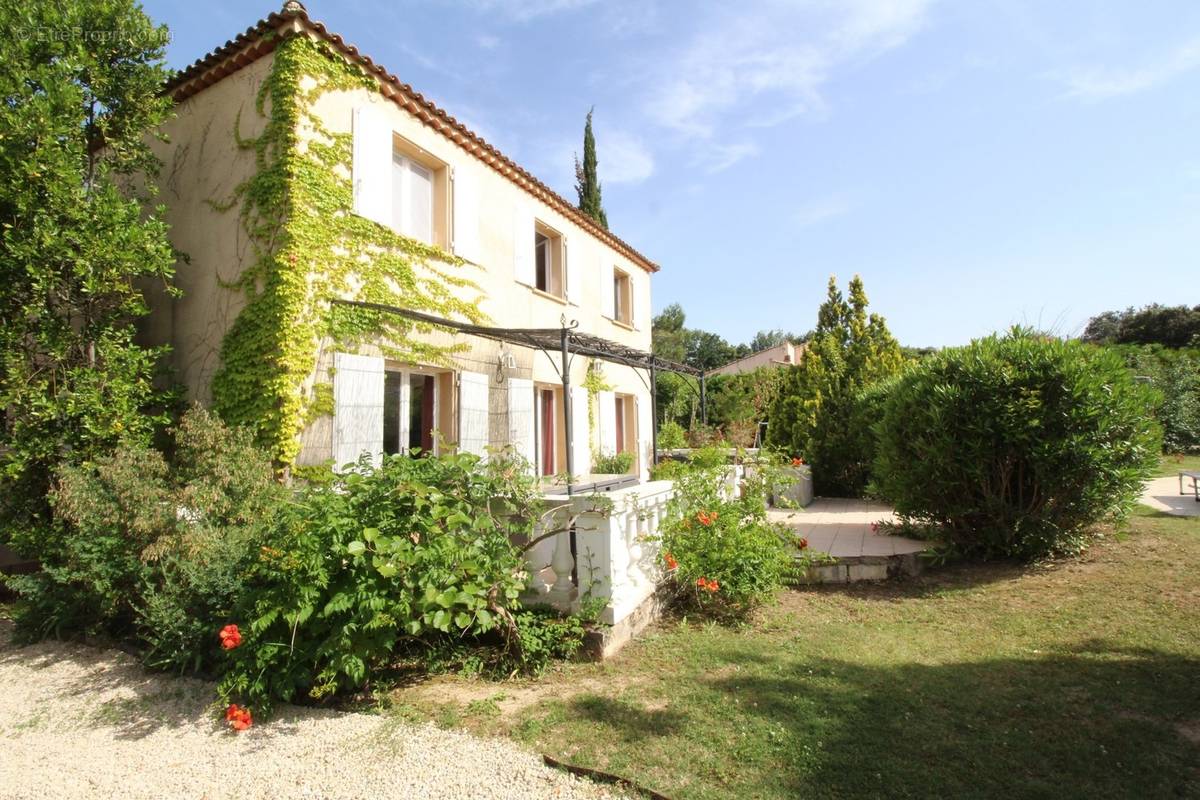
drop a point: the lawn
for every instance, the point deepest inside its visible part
(1075, 679)
(1171, 465)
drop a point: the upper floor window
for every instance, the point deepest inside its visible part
(548, 262)
(622, 297)
(412, 198)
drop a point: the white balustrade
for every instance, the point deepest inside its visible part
(616, 550)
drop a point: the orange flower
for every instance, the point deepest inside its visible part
(238, 718)
(231, 637)
(803, 543)
(671, 562)
(706, 517)
(713, 586)
(707, 585)
(797, 462)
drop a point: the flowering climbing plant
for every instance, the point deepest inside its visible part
(722, 552)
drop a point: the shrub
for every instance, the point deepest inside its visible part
(152, 549)
(1015, 445)
(616, 464)
(671, 436)
(1176, 376)
(387, 557)
(724, 554)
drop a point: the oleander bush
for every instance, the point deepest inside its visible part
(1016, 445)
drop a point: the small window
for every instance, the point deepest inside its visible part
(548, 262)
(412, 198)
(622, 297)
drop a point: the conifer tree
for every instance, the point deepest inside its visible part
(817, 413)
(587, 182)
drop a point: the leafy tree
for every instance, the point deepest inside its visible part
(1171, 326)
(668, 336)
(707, 350)
(764, 340)
(587, 181)
(81, 85)
(817, 414)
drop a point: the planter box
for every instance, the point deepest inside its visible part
(801, 491)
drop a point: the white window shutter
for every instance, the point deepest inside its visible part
(466, 216)
(606, 418)
(473, 413)
(571, 269)
(645, 435)
(405, 412)
(523, 232)
(357, 408)
(607, 297)
(633, 304)
(372, 165)
(521, 428)
(579, 430)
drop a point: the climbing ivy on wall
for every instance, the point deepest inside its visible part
(309, 248)
(594, 382)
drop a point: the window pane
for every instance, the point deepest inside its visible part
(399, 202)
(420, 185)
(541, 249)
(391, 412)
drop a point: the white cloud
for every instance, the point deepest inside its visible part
(487, 41)
(822, 210)
(720, 157)
(778, 56)
(1102, 83)
(526, 10)
(623, 158)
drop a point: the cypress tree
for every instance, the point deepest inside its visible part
(587, 183)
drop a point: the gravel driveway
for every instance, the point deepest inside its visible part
(78, 721)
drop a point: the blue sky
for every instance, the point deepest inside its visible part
(980, 163)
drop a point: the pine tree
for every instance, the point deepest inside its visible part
(587, 182)
(817, 413)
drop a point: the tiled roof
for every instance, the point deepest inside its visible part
(292, 19)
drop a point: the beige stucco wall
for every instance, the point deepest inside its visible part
(202, 165)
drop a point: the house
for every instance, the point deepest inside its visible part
(784, 354)
(316, 198)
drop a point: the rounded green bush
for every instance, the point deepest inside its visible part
(1016, 445)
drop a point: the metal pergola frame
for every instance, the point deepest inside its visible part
(564, 341)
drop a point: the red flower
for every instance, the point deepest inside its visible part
(707, 585)
(238, 718)
(706, 517)
(797, 462)
(803, 543)
(671, 562)
(230, 637)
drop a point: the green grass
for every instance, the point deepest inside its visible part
(1076, 679)
(1171, 465)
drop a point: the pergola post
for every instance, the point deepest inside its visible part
(566, 405)
(653, 414)
(703, 401)
(570, 445)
